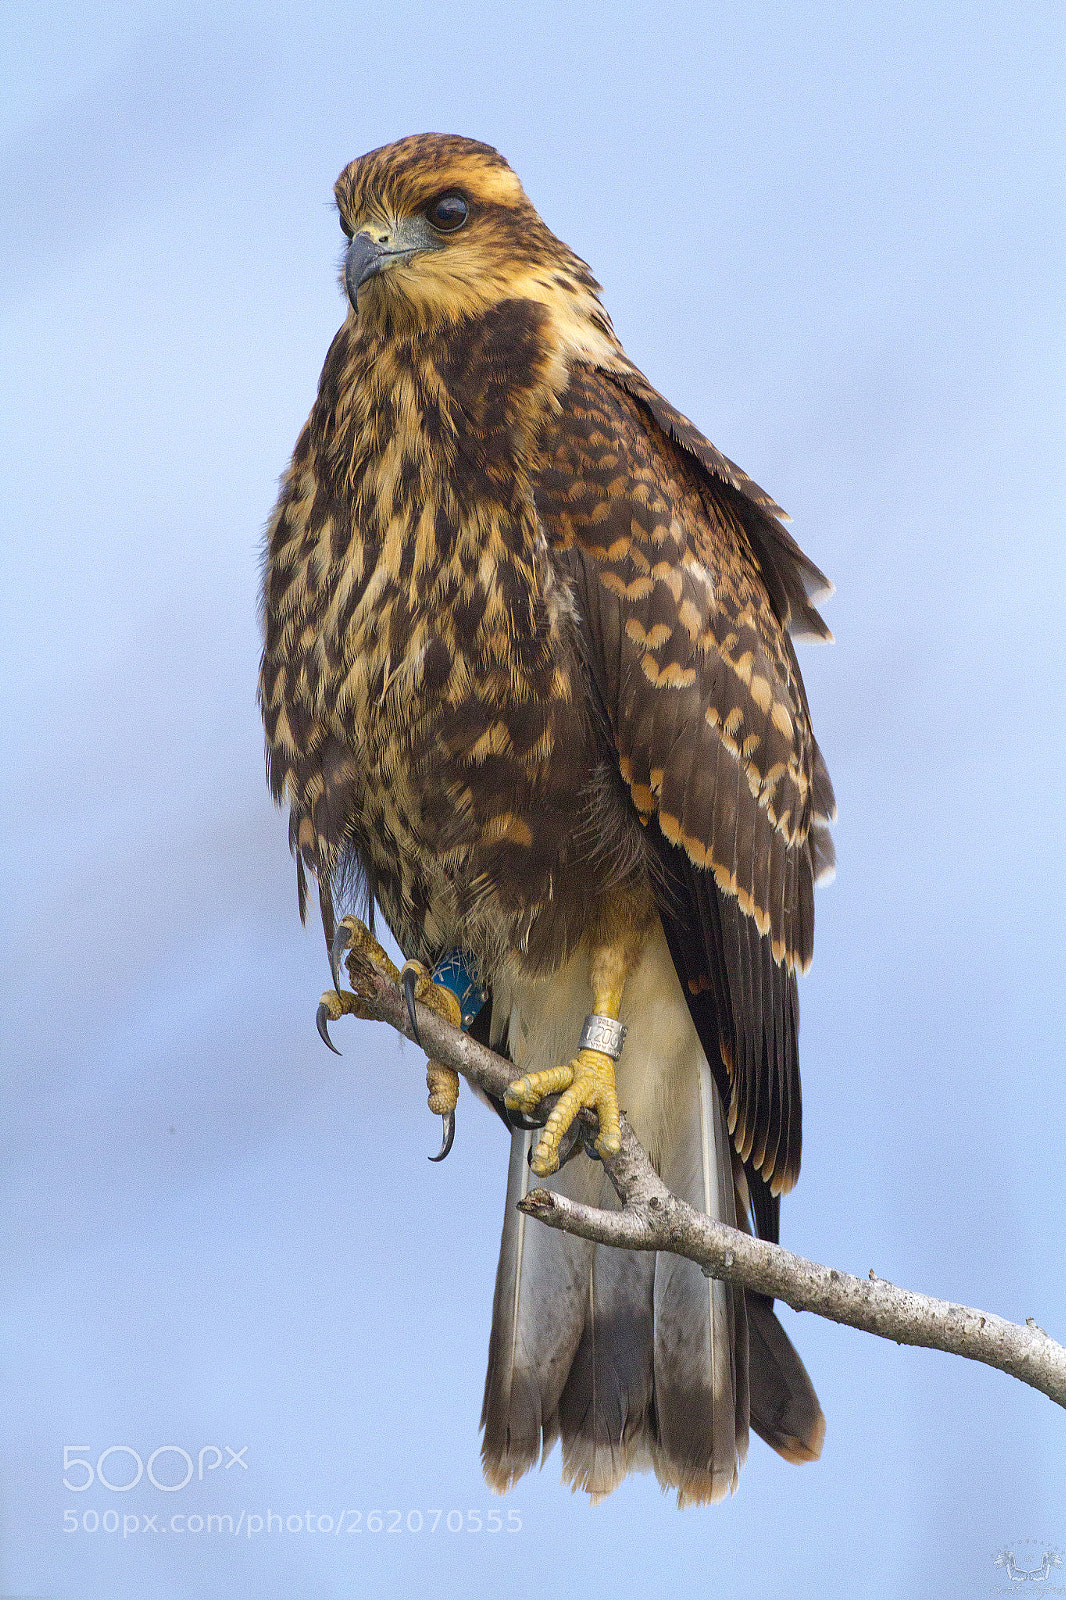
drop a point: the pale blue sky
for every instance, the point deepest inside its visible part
(831, 234)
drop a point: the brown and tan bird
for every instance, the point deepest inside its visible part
(528, 683)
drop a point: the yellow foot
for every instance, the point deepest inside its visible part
(334, 1004)
(443, 1085)
(442, 1082)
(416, 983)
(353, 943)
(588, 1081)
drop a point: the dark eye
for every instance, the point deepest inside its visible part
(447, 213)
(347, 232)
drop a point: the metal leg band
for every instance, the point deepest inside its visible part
(603, 1034)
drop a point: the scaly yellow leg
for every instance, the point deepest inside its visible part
(588, 1080)
(442, 1082)
(356, 945)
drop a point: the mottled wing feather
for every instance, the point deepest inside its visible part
(792, 580)
(685, 586)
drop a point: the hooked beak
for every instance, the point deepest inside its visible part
(371, 253)
(364, 257)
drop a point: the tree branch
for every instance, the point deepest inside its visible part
(652, 1218)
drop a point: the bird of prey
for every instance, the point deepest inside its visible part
(529, 685)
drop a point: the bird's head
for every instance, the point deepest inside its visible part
(441, 229)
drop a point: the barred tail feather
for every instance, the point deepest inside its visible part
(784, 1407)
(701, 1354)
(635, 1360)
(604, 1409)
(537, 1318)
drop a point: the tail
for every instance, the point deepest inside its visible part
(635, 1360)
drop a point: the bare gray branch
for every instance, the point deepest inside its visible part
(653, 1219)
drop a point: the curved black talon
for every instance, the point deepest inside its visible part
(448, 1118)
(321, 1019)
(410, 981)
(336, 951)
(572, 1141)
(528, 1124)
